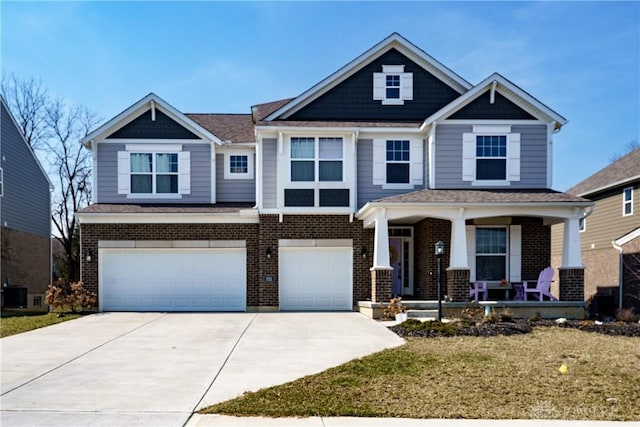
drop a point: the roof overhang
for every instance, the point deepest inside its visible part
(629, 180)
(148, 102)
(248, 216)
(396, 41)
(627, 237)
(515, 94)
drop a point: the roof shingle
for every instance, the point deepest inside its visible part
(227, 127)
(220, 208)
(618, 172)
(483, 196)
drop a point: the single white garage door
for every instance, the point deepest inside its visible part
(316, 279)
(173, 279)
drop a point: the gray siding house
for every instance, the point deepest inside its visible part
(332, 200)
(25, 216)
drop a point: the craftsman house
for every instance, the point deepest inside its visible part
(332, 199)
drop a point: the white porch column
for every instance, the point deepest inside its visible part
(571, 251)
(458, 257)
(381, 242)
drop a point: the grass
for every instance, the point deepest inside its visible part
(500, 377)
(18, 322)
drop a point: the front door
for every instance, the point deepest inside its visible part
(401, 259)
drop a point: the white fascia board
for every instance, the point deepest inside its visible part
(609, 186)
(509, 91)
(24, 140)
(395, 40)
(307, 211)
(628, 237)
(142, 105)
(167, 218)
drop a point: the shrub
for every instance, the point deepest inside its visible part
(626, 315)
(394, 307)
(70, 297)
(506, 315)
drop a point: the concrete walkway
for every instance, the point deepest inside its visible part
(155, 369)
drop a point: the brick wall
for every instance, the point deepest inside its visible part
(536, 246)
(26, 261)
(426, 233)
(571, 284)
(381, 285)
(458, 285)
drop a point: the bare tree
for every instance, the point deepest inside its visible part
(71, 170)
(27, 100)
(628, 147)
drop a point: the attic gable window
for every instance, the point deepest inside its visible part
(393, 86)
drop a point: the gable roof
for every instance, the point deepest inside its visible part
(624, 170)
(465, 197)
(509, 91)
(227, 127)
(396, 41)
(149, 101)
(3, 104)
(260, 111)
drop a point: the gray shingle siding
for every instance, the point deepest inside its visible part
(533, 156)
(353, 98)
(269, 172)
(366, 190)
(26, 203)
(233, 190)
(107, 158)
(501, 109)
(162, 128)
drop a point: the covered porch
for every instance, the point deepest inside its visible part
(502, 237)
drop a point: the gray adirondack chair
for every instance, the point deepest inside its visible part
(543, 286)
(478, 288)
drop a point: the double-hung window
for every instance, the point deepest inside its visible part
(491, 157)
(316, 160)
(627, 201)
(392, 86)
(491, 253)
(303, 159)
(154, 173)
(398, 162)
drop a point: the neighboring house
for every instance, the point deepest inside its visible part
(331, 198)
(25, 216)
(611, 234)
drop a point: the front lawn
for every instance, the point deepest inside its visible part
(18, 322)
(502, 377)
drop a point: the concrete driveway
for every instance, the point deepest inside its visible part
(157, 368)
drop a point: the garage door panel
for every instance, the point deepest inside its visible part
(316, 278)
(173, 280)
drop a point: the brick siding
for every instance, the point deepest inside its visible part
(381, 285)
(426, 233)
(571, 284)
(458, 285)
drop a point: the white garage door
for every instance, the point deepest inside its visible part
(173, 279)
(316, 278)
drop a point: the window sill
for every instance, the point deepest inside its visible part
(490, 183)
(238, 176)
(392, 102)
(397, 186)
(154, 196)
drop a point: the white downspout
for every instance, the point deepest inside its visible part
(620, 272)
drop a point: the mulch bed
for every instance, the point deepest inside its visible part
(516, 327)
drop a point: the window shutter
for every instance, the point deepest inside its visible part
(515, 253)
(379, 161)
(184, 172)
(378, 86)
(407, 86)
(471, 251)
(416, 155)
(124, 183)
(513, 155)
(468, 157)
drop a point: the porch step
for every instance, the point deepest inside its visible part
(422, 314)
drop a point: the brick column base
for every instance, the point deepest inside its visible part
(571, 284)
(458, 285)
(381, 285)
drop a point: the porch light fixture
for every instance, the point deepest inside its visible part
(89, 255)
(363, 253)
(268, 252)
(439, 255)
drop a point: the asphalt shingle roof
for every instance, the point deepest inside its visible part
(620, 171)
(483, 196)
(227, 127)
(220, 208)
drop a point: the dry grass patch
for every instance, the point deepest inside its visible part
(18, 322)
(469, 377)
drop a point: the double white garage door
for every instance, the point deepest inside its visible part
(214, 279)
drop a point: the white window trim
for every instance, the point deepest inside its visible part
(124, 170)
(627, 202)
(416, 162)
(469, 150)
(380, 85)
(227, 164)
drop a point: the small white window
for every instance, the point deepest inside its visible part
(393, 86)
(582, 224)
(238, 165)
(627, 201)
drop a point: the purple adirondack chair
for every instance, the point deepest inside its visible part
(478, 288)
(543, 286)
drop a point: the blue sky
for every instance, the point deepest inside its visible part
(580, 58)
